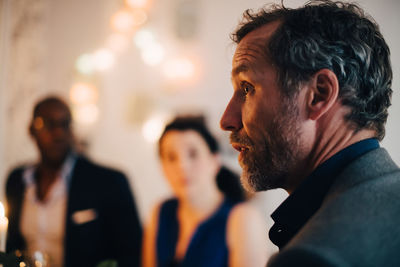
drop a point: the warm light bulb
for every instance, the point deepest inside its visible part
(3, 228)
(103, 59)
(86, 114)
(83, 93)
(143, 38)
(139, 17)
(136, 3)
(117, 42)
(152, 128)
(179, 68)
(123, 21)
(153, 54)
(84, 64)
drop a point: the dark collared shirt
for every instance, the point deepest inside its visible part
(302, 204)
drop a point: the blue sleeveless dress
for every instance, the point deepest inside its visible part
(207, 247)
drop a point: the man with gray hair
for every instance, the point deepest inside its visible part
(312, 87)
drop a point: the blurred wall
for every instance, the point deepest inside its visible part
(41, 41)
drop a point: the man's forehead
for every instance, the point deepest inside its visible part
(253, 47)
(53, 110)
(249, 50)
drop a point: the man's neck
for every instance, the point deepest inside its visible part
(46, 174)
(51, 164)
(333, 138)
(326, 148)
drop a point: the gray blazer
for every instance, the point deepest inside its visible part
(358, 223)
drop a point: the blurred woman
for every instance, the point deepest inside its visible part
(204, 225)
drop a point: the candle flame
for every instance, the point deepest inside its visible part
(1, 210)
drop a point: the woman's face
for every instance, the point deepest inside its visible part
(189, 165)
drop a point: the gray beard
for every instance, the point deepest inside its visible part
(265, 173)
(270, 167)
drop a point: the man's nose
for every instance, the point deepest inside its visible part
(232, 118)
(59, 132)
(59, 129)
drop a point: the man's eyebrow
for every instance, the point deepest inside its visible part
(239, 69)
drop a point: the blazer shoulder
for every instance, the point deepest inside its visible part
(90, 170)
(307, 256)
(357, 220)
(355, 216)
(16, 172)
(365, 169)
(14, 178)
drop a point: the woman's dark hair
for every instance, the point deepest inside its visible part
(334, 35)
(227, 181)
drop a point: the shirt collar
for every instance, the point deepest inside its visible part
(295, 211)
(65, 172)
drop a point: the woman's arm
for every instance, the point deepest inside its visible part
(247, 237)
(149, 239)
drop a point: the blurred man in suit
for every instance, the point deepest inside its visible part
(68, 208)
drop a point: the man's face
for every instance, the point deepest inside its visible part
(51, 129)
(264, 123)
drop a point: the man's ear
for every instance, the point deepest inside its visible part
(323, 93)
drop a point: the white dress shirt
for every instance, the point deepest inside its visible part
(43, 222)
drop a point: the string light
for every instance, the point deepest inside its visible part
(117, 42)
(154, 126)
(139, 17)
(137, 3)
(179, 68)
(84, 64)
(153, 54)
(122, 21)
(126, 22)
(103, 59)
(86, 114)
(143, 38)
(83, 93)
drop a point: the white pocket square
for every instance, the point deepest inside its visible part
(84, 216)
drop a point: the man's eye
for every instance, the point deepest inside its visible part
(246, 88)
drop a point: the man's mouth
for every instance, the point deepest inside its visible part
(242, 149)
(239, 147)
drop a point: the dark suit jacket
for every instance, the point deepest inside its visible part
(358, 224)
(114, 234)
